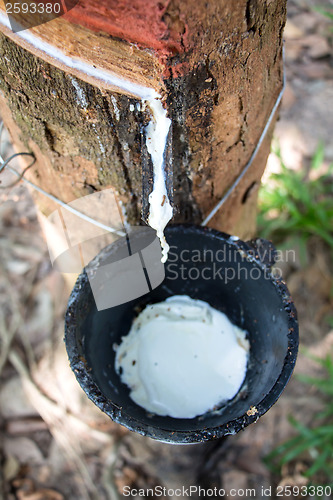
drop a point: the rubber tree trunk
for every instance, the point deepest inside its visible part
(218, 66)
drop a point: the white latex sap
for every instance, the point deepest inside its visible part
(156, 131)
(182, 358)
(160, 210)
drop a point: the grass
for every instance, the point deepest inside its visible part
(313, 445)
(295, 203)
(327, 13)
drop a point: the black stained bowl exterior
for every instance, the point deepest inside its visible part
(253, 299)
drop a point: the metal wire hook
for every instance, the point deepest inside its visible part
(19, 175)
(5, 163)
(69, 208)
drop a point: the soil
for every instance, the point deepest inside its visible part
(55, 443)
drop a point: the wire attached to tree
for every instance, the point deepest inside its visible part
(249, 163)
(5, 164)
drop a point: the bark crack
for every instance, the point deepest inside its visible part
(118, 146)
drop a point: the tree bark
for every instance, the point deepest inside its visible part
(218, 66)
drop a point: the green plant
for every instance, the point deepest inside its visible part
(292, 203)
(329, 320)
(325, 12)
(315, 444)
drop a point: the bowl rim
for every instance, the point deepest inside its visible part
(117, 414)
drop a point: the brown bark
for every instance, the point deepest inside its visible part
(219, 90)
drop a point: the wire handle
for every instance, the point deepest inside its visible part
(5, 164)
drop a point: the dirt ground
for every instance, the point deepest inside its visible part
(55, 444)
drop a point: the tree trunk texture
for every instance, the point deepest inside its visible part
(218, 66)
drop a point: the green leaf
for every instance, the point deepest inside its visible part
(304, 206)
(297, 450)
(316, 441)
(318, 157)
(322, 385)
(281, 449)
(324, 12)
(318, 463)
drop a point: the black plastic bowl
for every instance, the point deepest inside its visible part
(208, 265)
